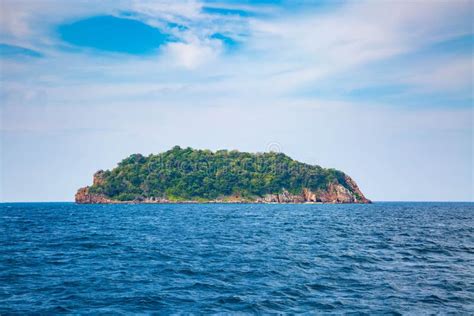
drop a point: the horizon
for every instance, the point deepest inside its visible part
(386, 98)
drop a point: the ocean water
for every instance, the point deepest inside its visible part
(380, 258)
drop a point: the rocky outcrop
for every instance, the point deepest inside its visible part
(335, 193)
(83, 196)
(284, 197)
(359, 196)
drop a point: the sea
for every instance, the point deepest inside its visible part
(381, 258)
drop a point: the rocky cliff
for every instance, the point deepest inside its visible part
(335, 193)
(83, 196)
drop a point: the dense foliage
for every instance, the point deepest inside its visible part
(181, 174)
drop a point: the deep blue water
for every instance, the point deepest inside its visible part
(385, 257)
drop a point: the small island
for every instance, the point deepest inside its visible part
(186, 175)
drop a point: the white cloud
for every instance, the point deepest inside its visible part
(318, 45)
(193, 53)
(449, 75)
(169, 10)
(31, 23)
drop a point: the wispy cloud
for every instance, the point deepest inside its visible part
(315, 46)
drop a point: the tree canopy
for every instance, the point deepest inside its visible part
(189, 174)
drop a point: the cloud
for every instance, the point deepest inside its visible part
(313, 46)
(12, 51)
(31, 22)
(225, 11)
(168, 10)
(121, 26)
(453, 75)
(191, 55)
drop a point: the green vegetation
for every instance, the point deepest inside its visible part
(188, 174)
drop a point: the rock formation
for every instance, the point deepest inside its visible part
(83, 196)
(335, 193)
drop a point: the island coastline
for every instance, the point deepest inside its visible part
(189, 176)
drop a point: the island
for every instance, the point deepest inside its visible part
(186, 175)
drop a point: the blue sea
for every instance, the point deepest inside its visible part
(398, 258)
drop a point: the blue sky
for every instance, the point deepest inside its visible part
(381, 90)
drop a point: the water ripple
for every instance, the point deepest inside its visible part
(395, 258)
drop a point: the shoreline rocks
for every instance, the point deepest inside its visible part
(334, 194)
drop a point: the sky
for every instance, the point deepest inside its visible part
(382, 90)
